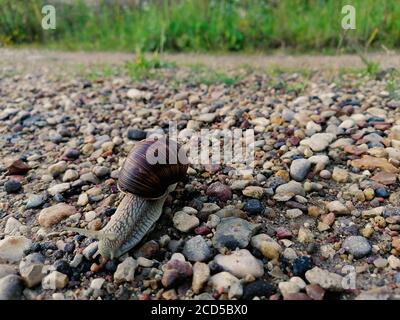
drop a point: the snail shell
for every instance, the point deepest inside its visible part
(151, 167)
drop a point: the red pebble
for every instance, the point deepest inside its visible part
(283, 233)
(294, 141)
(202, 230)
(144, 296)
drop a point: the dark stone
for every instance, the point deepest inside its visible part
(391, 211)
(12, 186)
(312, 248)
(233, 233)
(382, 192)
(10, 287)
(214, 267)
(111, 265)
(59, 197)
(59, 254)
(274, 182)
(349, 102)
(254, 206)
(301, 264)
(36, 247)
(258, 288)
(63, 267)
(79, 237)
(71, 153)
(83, 267)
(110, 211)
(136, 134)
(69, 247)
(49, 246)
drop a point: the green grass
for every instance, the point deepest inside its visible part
(202, 25)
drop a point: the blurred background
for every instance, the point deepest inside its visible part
(311, 26)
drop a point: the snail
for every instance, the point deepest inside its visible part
(150, 172)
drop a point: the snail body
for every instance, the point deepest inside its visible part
(146, 186)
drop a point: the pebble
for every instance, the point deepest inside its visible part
(259, 288)
(12, 186)
(136, 134)
(10, 287)
(70, 175)
(301, 264)
(233, 233)
(357, 246)
(380, 263)
(267, 246)
(89, 178)
(293, 213)
(55, 280)
(240, 263)
(57, 168)
(144, 262)
(286, 288)
(325, 174)
(16, 167)
(299, 169)
(176, 271)
(340, 175)
(12, 226)
(291, 188)
(289, 254)
(71, 154)
(185, 222)
(325, 279)
(394, 262)
(253, 207)
(220, 191)
(305, 235)
(337, 207)
(315, 292)
(83, 200)
(386, 178)
(206, 117)
(55, 214)
(90, 250)
(382, 192)
(201, 274)
(97, 283)
(196, 249)
(253, 192)
(319, 141)
(222, 281)
(101, 171)
(35, 201)
(125, 271)
(31, 270)
(12, 248)
(59, 188)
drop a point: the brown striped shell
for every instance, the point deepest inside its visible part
(151, 167)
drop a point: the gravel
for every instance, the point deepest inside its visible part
(321, 197)
(358, 246)
(196, 249)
